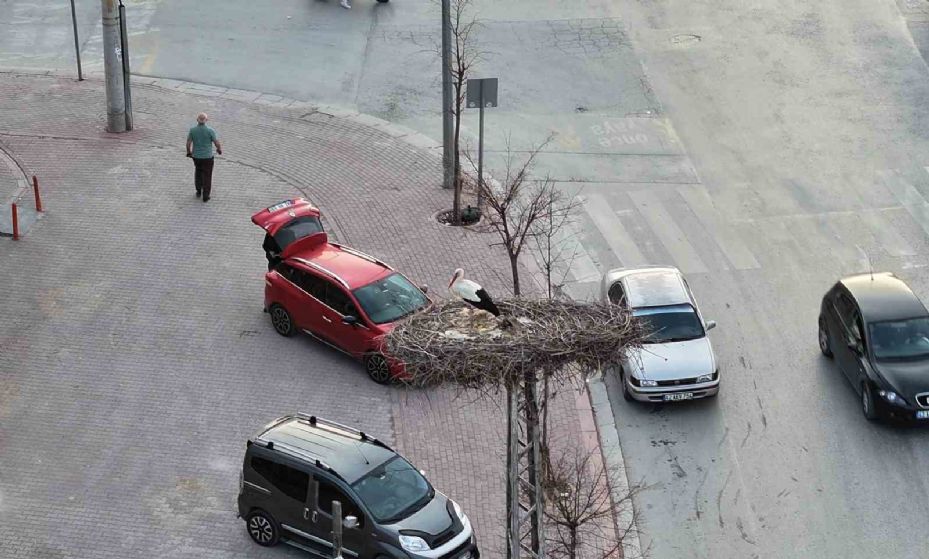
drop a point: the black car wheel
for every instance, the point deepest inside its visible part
(280, 318)
(626, 395)
(377, 367)
(825, 344)
(867, 403)
(262, 528)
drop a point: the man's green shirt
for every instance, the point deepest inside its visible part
(202, 137)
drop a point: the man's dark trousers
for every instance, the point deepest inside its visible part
(203, 176)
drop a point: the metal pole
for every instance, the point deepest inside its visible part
(480, 155)
(447, 124)
(115, 101)
(77, 45)
(512, 473)
(124, 47)
(336, 530)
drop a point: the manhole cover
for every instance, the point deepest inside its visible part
(685, 39)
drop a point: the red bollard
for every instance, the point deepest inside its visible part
(15, 223)
(38, 199)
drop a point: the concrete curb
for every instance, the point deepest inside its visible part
(402, 133)
(613, 458)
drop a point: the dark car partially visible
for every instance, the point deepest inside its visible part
(877, 330)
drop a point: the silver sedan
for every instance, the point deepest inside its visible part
(677, 360)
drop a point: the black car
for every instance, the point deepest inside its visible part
(878, 332)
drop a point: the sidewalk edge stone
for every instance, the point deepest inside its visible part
(613, 458)
(402, 133)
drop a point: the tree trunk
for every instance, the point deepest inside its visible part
(572, 550)
(456, 205)
(514, 269)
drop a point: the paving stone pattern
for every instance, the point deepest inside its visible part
(134, 356)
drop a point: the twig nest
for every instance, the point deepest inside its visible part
(453, 343)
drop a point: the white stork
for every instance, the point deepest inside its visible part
(472, 293)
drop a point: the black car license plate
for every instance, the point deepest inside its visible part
(922, 414)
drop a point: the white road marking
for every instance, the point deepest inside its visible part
(667, 231)
(908, 196)
(583, 268)
(613, 231)
(882, 227)
(725, 236)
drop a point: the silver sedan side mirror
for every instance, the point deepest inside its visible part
(710, 324)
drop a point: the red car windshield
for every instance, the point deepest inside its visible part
(390, 299)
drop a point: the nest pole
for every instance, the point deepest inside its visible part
(554, 341)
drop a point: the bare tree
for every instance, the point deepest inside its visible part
(518, 205)
(581, 508)
(551, 253)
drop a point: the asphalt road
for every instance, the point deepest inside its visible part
(765, 148)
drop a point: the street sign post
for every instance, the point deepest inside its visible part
(481, 93)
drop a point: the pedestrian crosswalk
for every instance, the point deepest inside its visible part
(688, 227)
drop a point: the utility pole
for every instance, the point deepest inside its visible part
(524, 507)
(77, 45)
(113, 69)
(448, 157)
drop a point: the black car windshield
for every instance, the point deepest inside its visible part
(389, 299)
(671, 323)
(394, 490)
(900, 339)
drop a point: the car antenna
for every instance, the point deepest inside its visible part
(868, 258)
(358, 448)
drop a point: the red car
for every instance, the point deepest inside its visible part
(338, 295)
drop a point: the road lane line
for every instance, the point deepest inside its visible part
(582, 265)
(728, 240)
(908, 197)
(613, 231)
(886, 233)
(667, 231)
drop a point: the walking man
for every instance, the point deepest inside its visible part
(200, 142)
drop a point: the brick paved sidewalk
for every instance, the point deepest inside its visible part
(134, 356)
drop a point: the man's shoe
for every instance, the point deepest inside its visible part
(345, 4)
(206, 198)
(198, 194)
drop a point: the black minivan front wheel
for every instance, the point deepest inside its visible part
(262, 528)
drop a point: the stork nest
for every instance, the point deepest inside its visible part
(455, 344)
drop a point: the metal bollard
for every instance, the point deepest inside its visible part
(15, 222)
(38, 199)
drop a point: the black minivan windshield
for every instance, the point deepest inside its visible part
(394, 490)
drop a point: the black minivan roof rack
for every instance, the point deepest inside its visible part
(314, 421)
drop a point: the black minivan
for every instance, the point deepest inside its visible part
(299, 464)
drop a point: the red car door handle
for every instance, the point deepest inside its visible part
(326, 318)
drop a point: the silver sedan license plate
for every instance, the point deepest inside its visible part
(922, 414)
(679, 396)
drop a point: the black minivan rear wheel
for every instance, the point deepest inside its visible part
(262, 528)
